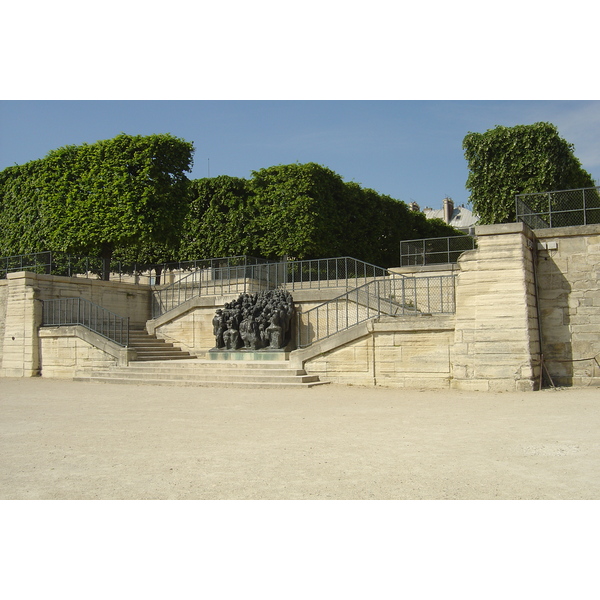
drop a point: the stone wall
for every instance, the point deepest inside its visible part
(406, 352)
(23, 314)
(496, 343)
(569, 283)
(64, 350)
(123, 299)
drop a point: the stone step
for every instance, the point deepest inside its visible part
(198, 364)
(200, 377)
(203, 383)
(199, 372)
(166, 351)
(156, 356)
(151, 348)
(164, 371)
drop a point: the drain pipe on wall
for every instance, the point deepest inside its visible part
(534, 263)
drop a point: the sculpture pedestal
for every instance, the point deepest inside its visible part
(262, 355)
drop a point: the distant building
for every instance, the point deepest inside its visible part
(459, 217)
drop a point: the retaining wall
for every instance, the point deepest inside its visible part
(491, 343)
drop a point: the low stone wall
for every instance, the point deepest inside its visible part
(123, 299)
(64, 350)
(409, 352)
(21, 348)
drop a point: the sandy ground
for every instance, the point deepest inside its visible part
(70, 440)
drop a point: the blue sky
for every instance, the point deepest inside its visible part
(410, 150)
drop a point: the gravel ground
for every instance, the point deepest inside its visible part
(71, 440)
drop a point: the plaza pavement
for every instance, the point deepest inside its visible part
(71, 440)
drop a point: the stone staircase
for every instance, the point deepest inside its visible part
(150, 348)
(205, 373)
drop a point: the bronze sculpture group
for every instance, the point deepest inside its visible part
(261, 321)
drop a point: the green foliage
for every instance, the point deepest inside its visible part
(506, 161)
(22, 226)
(126, 192)
(217, 220)
(298, 211)
(377, 224)
(302, 211)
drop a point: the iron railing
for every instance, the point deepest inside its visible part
(431, 251)
(39, 262)
(562, 208)
(343, 272)
(391, 296)
(79, 311)
(66, 265)
(91, 267)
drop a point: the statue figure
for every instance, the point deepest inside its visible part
(219, 327)
(275, 333)
(250, 333)
(231, 337)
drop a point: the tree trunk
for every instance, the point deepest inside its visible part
(106, 255)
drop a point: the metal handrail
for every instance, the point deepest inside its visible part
(291, 275)
(79, 311)
(430, 251)
(391, 296)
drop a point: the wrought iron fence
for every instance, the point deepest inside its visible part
(66, 265)
(232, 278)
(79, 311)
(39, 262)
(562, 208)
(391, 296)
(431, 251)
(91, 267)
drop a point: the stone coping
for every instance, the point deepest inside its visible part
(574, 231)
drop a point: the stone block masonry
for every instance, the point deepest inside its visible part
(569, 278)
(496, 342)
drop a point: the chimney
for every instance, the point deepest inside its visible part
(448, 210)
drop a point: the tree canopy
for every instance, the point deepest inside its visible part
(129, 198)
(506, 161)
(302, 211)
(129, 191)
(217, 219)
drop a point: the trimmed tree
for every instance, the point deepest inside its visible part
(297, 210)
(506, 161)
(303, 211)
(22, 226)
(218, 219)
(126, 192)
